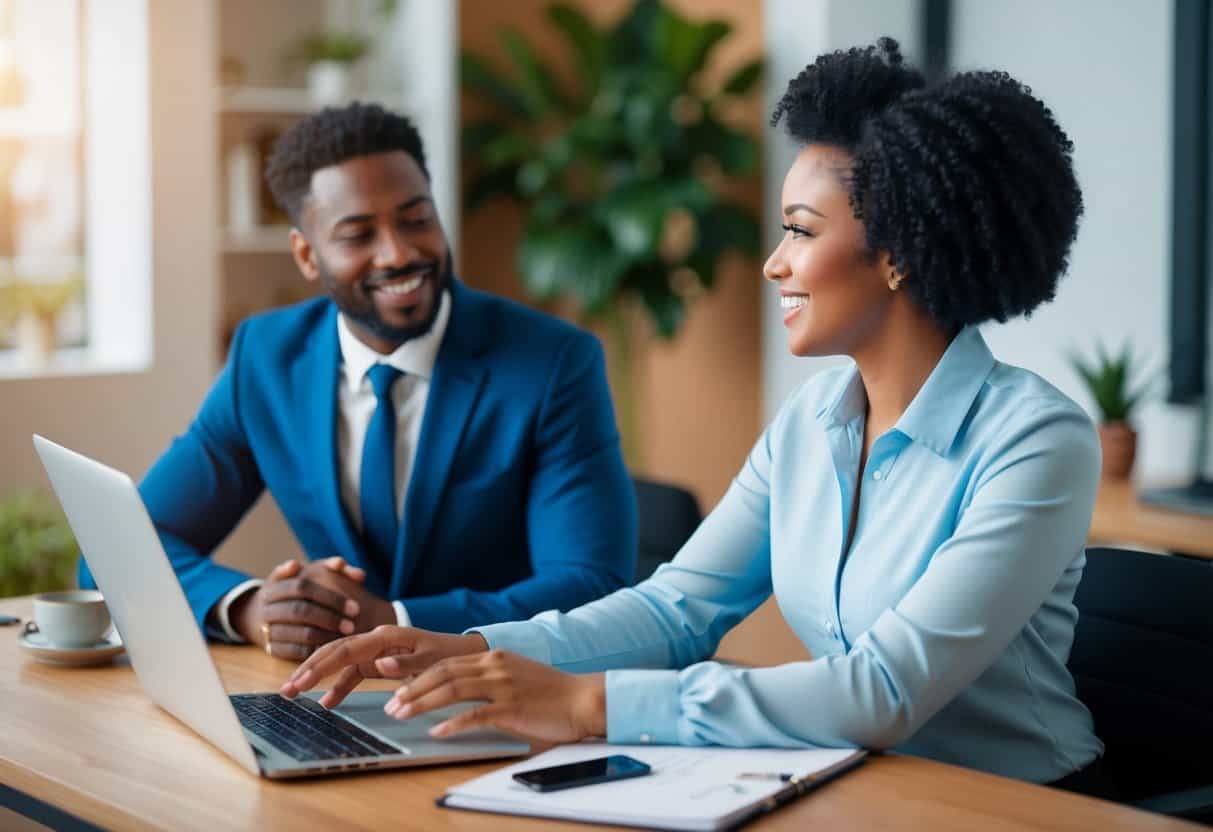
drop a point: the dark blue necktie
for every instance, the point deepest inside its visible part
(377, 489)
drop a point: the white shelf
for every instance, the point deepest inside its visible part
(287, 100)
(269, 239)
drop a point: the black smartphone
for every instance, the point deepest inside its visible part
(583, 773)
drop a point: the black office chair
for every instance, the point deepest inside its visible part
(667, 515)
(1143, 663)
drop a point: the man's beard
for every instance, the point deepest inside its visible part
(356, 304)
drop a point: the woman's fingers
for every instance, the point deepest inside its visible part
(460, 685)
(338, 655)
(479, 717)
(346, 681)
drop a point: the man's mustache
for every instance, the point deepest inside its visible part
(403, 271)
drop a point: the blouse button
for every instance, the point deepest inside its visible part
(878, 475)
(645, 738)
(829, 626)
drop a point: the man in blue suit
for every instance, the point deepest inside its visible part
(445, 458)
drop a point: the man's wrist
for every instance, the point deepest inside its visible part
(240, 614)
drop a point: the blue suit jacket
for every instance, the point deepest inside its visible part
(519, 500)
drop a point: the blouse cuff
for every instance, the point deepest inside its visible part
(521, 637)
(643, 706)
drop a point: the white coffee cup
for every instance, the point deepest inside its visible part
(76, 618)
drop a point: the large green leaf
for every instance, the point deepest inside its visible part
(587, 45)
(571, 258)
(736, 152)
(534, 80)
(476, 75)
(743, 80)
(665, 307)
(632, 40)
(634, 215)
(476, 134)
(683, 47)
(483, 187)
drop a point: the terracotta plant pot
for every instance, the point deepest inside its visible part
(1118, 442)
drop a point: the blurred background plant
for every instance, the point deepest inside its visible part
(37, 549)
(624, 179)
(1108, 380)
(329, 55)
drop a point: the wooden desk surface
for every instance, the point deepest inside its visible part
(1121, 519)
(90, 743)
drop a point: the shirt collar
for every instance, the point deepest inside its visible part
(934, 417)
(415, 357)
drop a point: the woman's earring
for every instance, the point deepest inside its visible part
(895, 281)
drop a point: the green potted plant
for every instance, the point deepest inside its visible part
(1108, 381)
(37, 549)
(329, 55)
(624, 178)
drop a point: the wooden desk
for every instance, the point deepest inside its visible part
(1120, 519)
(88, 742)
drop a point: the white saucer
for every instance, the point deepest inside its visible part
(103, 652)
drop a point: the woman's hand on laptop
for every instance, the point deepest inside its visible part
(387, 652)
(518, 695)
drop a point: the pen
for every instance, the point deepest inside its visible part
(781, 776)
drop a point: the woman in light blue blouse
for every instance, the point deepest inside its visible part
(919, 515)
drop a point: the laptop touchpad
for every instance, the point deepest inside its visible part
(366, 708)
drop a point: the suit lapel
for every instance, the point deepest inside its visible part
(318, 374)
(455, 387)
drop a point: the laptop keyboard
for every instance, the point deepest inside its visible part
(305, 730)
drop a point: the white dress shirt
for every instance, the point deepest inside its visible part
(355, 406)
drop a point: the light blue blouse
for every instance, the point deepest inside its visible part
(944, 632)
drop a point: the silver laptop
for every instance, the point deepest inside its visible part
(263, 732)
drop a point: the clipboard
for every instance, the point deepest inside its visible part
(696, 789)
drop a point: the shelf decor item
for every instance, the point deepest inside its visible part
(37, 550)
(32, 309)
(625, 178)
(329, 55)
(1108, 381)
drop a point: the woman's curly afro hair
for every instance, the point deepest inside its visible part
(968, 184)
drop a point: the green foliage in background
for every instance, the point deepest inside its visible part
(341, 47)
(37, 550)
(619, 175)
(1108, 381)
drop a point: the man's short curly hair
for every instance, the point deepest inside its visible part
(330, 137)
(968, 184)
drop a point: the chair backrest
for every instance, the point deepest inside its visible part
(667, 516)
(1143, 663)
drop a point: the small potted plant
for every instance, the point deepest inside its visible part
(1108, 381)
(37, 550)
(329, 55)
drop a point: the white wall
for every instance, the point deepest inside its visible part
(1104, 68)
(797, 31)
